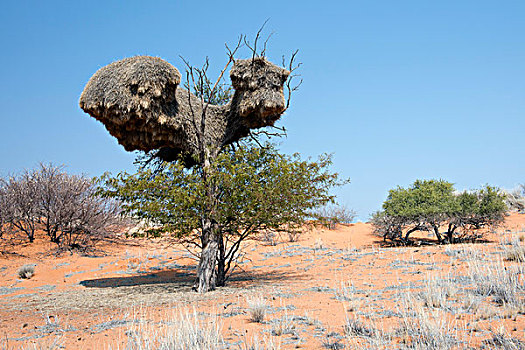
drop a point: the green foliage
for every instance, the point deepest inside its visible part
(428, 205)
(256, 189)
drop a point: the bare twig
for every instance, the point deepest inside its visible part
(257, 37)
(292, 66)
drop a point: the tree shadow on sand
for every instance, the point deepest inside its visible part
(425, 242)
(181, 279)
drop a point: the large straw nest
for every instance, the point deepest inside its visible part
(135, 99)
(140, 103)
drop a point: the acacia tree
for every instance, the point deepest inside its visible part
(140, 103)
(429, 205)
(258, 189)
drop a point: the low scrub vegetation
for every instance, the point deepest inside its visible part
(65, 207)
(26, 271)
(515, 199)
(185, 330)
(431, 205)
(331, 215)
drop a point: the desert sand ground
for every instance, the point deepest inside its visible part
(331, 289)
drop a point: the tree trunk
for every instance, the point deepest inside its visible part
(206, 274)
(450, 233)
(438, 235)
(221, 262)
(221, 273)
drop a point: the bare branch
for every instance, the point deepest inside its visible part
(263, 52)
(292, 66)
(257, 37)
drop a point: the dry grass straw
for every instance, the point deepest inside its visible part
(182, 330)
(257, 308)
(505, 284)
(437, 291)
(501, 339)
(514, 251)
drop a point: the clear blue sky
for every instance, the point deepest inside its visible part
(398, 90)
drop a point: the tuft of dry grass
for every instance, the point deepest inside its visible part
(515, 251)
(257, 308)
(26, 271)
(356, 328)
(502, 283)
(422, 329)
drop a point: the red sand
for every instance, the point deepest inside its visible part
(78, 295)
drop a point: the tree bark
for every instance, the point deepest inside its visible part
(438, 235)
(450, 233)
(221, 262)
(206, 274)
(206, 271)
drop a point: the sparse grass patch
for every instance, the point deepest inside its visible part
(332, 341)
(182, 330)
(421, 329)
(502, 340)
(257, 344)
(356, 328)
(471, 303)
(504, 284)
(282, 326)
(26, 271)
(436, 292)
(43, 344)
(319, 244)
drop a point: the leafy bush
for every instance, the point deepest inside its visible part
(429, 205)
(66, 207)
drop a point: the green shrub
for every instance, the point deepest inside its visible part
(430, 205)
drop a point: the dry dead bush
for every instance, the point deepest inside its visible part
(515, 199)
(66, 207)
(330, 216)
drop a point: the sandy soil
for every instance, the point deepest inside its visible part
(309, 288)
